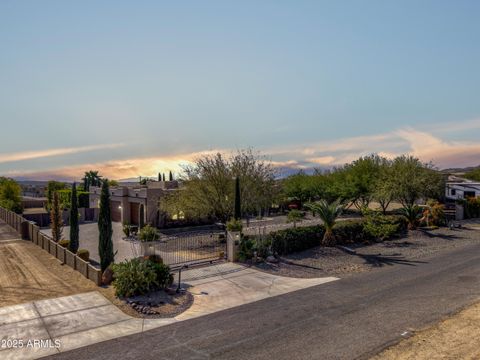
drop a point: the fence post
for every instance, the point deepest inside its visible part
(233, 240)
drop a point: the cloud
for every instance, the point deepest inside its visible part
(428, 145)
(117, 169)
(29, 155)
(444, 153)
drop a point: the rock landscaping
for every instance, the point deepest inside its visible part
(160, 304)
(415, 247)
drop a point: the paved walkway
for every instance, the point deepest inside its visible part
(89, 318)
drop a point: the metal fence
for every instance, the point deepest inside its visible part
(190, 248)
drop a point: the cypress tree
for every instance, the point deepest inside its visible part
(159, 177)
(238, 211)
(56, 221)
(170, 176)
(74, 230)
(163, 176)
(105, 244)
(86, 187)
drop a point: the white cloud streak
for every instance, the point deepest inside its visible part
(29, 155)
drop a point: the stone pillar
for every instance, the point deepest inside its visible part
(233, 240)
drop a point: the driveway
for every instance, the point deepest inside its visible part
(86, 319)
(89, 240)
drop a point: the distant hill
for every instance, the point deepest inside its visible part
(459, 171)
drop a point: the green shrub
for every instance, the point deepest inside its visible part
(381, 227)
(295, 216)
(234, 225)
(138, 276)
(380, 231)
(64, 243)
(350, 231)
(134, 277)
(83, 254)
(156, 259)
(296, 239)
(148, 233)
(412, 214)
(162, 271)
(246, 248)
(263, 247)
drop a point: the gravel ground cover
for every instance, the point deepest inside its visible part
(412, 249)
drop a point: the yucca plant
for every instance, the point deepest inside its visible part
(412, 214)
(328, 212)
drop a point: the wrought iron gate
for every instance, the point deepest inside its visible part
(192, 247)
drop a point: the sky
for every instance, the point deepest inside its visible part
(132, 88)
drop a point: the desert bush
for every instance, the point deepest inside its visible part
(263, 247)
(412, 214)
(350, 231)
(148, 233)
(134, 277)
(380, 227)
(138, 276)
(83, 254)
(155, 258)
(295, 216)
(433, 214)
(162, 271)
(246, 248)
(234, 225)
(64, 243)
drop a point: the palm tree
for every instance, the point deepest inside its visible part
(92, 178)
(412, 214)
(328, 212)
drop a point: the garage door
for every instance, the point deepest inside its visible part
(116, 211)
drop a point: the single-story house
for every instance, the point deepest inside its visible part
(126, 201)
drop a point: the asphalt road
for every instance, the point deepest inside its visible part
(351, 318)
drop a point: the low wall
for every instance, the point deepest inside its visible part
(46, 243)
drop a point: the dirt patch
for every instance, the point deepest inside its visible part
(28, 273)
(454, 338)
(7, 233)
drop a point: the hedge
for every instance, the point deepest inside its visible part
(296, 239)
(303, 238)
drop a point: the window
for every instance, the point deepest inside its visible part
(453, 192)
